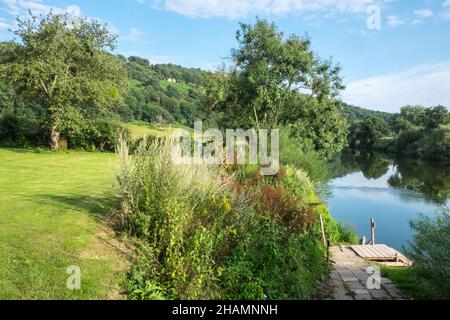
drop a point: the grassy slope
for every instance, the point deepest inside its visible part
(180, 86)
(140, 130)
(51, 205)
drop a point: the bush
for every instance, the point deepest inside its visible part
(91, 134)
(20, 131)
(386, 144)
(430, 253)
(408, 143)
(104, 134)
(203, 234)
(173, 210)
(301, 155)
(76, 132)
(436, 145)
(270, 262)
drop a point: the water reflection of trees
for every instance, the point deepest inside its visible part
(430, 179)
(372, 165)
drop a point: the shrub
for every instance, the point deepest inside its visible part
(431, 255)
(173, 209)
(20, 131)
(104, 134)
(408, 143)
(203, 234)
(91, 134)
(271, 263)
(301, 155)
(436, 144)
(386, 144)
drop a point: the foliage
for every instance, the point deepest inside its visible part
(364, 134)
(277, 80)
(20, 131)
(354, 113)
(411, 117)
(61, 64)
(153, 99)
(296, 152)
(430, 253)
(203, 234)
(420, 133)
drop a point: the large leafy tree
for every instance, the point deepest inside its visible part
(363, 134)
(277, 80)
(62, 64)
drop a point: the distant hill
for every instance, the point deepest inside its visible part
(170, 93)
(355, 113)
(162, 93)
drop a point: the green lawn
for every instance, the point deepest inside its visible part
(52, 207)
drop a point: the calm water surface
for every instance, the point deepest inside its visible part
(392, 192)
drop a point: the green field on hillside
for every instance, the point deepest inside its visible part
(140, 130)
(52, 208)
(180, 86)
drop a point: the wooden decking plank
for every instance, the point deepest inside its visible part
(360, 251)
(383, 252)
(363, 251)
(389, 250)
(377, 251)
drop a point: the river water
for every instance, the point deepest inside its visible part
(393, 192)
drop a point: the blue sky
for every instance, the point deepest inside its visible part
(406, 61)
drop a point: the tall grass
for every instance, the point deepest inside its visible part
(215, 232)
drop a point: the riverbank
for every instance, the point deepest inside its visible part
(394, 192)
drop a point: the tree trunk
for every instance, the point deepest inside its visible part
(55, 135)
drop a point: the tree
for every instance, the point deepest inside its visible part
(363, 134)
(274, 80)
(62, 64)
(436, 117)
(409, 118)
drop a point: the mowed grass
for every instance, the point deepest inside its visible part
(52, 209)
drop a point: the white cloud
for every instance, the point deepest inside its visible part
(425, 85)
(37, 7)
(425, 13)
(240, 8)
(134, 35)
(20, 8)
(446, 13)
(395, 21)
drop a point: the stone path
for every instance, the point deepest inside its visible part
(349, 278)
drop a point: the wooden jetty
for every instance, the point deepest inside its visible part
(383, 254)
(379, 252)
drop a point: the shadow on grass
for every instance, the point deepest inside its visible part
(29, 150)
(97, 206)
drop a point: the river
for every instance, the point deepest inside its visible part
(394, 192)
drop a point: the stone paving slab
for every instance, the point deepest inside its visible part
(349, 278)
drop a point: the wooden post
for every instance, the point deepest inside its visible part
(323, 231)
(372, 226)
(328, 251)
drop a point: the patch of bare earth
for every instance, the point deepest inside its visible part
(107, 247)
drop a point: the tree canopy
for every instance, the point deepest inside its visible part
(275, 81)
(62, 64)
